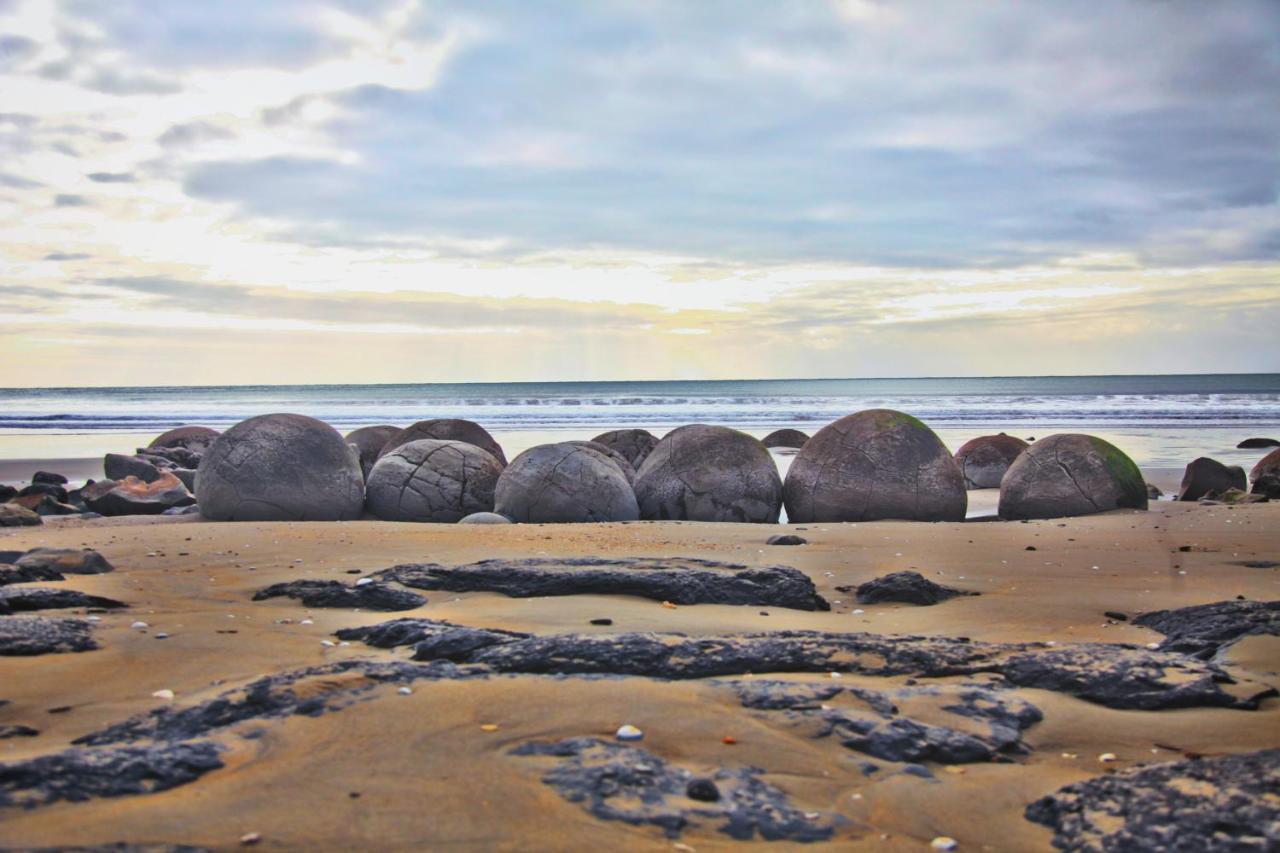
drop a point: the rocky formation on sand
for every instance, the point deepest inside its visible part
(432, 480)
(369, 441)
(874, 465)
(635, 445)
(906, 588)
(132, 496)
(365, 594)
(1205, 475)
(447, 429)
(70, 561)
(76, 775)
(1203, 630)
(1070, 474)
(1266, 476)
(785, 438)
(709, 473)
(280, 468)
(13, 515)
(41, 635)
(24, 599)
(983, 460)
(564, 483)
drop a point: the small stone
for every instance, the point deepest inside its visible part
(364, 581)
(165, 694)
(1107, 757)
(139, 626)
(728, 740)
(161, 635)
(943, 842)
(1116, 615)
(405, 691)
(601, 621)
(327, 643)
(668, 605)
(628, 732)
(307, 622)
(493, 727)
(250, 838)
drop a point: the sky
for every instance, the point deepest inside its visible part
(300, 192)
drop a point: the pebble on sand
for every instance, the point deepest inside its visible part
(628, 732)
(1107, 757)
(250, 838)
(942, 842)
(405, 691)
(139, 626)
(165, 694)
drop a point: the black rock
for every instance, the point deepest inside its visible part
(17, 599)
(17, 731)
(1225, 803)
(432, 639)
(786, 539)
(1257, 443)
(76, 775)
(1205, 629)
(680, 581)
(793, 438)
(368, 596)
(1116, 615)
(39, 635)
(17, 574)
(601, 621)
(7, 492)
(48, 477)
(702, 790)
(117, 466)
(1204, 476)
(53, 490)
(908, 588)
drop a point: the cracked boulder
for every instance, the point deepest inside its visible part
(635, 445)
(629, 784)
(1071, 474)
(983, 460)
(564, 483)
(627, 469)
(680, 581)
(871, 465)
(367, 596)
(369, 441)
(1204, 630)
(907, 588)
(197, 439)
(432, 480)
(1205, 475)
(1266, 475)
(280, 468)
(22, 636)
(785, 438)
(709, 473)
(1224, 803)
(447, 429)
(132, 496)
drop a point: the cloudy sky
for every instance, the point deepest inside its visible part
(265, 192)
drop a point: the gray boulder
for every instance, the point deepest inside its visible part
(448, 429)
(369, 441)
(484, 518)
(1205, 475)
(872, 465)
(13, 515)
(432, 480)
(280, 467)
(709, 473)
(634, 444)
(1256, 443)
(618, 459)
(117, 466)
(785, 438)
(983, 460)
(1070, 474)
(1266, 475)
(196, 438)
(564, 482)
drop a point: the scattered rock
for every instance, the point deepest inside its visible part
(702, 790)
(40, 635)
(605, 621)
(367, 596)
(10, 574)
(20, 599)
(564, 483)
(786, 539)
(49, 477)
(1257, 443)
(1116, 615)
(983, 460)
(280, 468)
(7, 492)
(1070, 474)
(484, 518)
(785, 438)
(1204, 630)
(628, 732)
(680, 581)
(17, 731)
(634, 444)
(429, 480)
(1232, 497)
(12, 515)
(873, 465)
(369, 441)
(193, 509)
(132, 496)
(71, 561)
(709, 473)
(1154, 492)
(1266, 475)
(77, 775)
(908, 588)
(1206, 475)
(117, 466)
(448, 429)
(1223, 803)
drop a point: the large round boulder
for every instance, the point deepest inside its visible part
(709, 473)
(634, 444)
(983, 460)
(1071, 474)
(448, 429)
(1205, 475)
(1266, 476)
(280, 468)
(617, 458)
(871, 465)
(369, 441)
(565, 482)
(785, 438)
(195, 438)
(432, 480)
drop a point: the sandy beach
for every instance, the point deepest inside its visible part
(435, 768)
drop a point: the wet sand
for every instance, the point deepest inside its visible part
(427, 775)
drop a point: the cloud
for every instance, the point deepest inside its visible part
(111, 177)
(17, 182)
(192, 133)
(70, 200)
(67, 256)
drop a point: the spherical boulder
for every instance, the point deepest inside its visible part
(280, 467)
(1070, 474)
(709, 473)
(872, 465)
(447, 429)
(617, 458)
(785, 438)
(1266, 476)
(1205, 475)
(432, 480)
(369, 441)
(983, 460)
(564, 482)
(633, 444)
(484, 518)
(195, 438)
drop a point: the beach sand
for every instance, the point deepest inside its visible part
(429, 771)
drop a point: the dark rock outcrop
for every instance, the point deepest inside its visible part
(625, 783)
(1205, 475)
(564, 483)
(1203, 630)
(40, 635)
(117, 466)
(709, 473)
(680, 581)
(983, 460)
(785, 438)
(786, 539)
(907, 588)
(1070, 474)
(280, 468)
(76, 775)
(1224, 803)
(49, 477)
(71, 561)
(367, 596)
(11, 574)
(429, 480)
(634, 444)
(132, 496)
(1257, 443)
(448, 429)
(12, 515)
(19, 599)
(369, 441)
(873, 465)
(1265, 476)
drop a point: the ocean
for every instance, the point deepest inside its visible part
(1161, 421)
